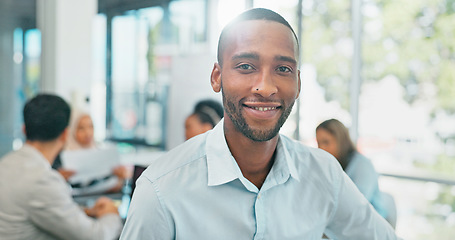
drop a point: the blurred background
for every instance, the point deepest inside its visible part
(386, 69)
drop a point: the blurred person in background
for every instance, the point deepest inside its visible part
(35, 201)
(206, 114)
(333, 137)
(81, 136)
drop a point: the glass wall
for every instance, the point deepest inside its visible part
(144, 43)
(406, 101)
(21, 73)
(31, 60)
(409, 85)
(406, 120)
(425, 209)
(327, 51)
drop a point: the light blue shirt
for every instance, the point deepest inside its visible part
(362, 173)
(197, 191)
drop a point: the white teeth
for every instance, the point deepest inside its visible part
(264, 108)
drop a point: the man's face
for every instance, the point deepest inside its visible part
(259, 77)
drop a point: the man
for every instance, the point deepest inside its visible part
(35, 201)
(242, 180)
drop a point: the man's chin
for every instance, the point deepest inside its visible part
(260, 135)
(262, 125)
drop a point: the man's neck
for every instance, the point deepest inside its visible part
(255, 159)
(49, 150)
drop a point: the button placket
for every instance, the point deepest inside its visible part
(260, 216)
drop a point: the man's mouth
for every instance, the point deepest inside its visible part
(262, 106)
(263, 109)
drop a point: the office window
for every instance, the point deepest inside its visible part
(326, 56)
(189, 17)
(133, 74)
(144, 43)
(27, 58)
(406, 105)
(31, 61)
(406, 111)
(286, 8)
(225, 12)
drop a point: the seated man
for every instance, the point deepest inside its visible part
(35, 201)
(243, 180)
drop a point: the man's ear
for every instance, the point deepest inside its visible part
(64, 136)
(299, 84)
(215, 78)
(23, 130)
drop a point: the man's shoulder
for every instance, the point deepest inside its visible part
(23, 162)
(303, 152)
(311, 161)
(182, 156)
(11, 157)
(29, 177)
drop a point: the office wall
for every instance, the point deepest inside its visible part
(66, 28)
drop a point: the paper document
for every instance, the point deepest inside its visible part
(90, 164)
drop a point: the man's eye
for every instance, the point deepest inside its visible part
(284, 69)
(245, 67)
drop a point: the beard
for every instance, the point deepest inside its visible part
(234, 112)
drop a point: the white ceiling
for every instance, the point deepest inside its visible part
(24, 11)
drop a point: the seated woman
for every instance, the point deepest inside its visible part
(81, 136)
(206, 115)
(333, 137)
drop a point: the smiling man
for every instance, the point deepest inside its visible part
(242, 180)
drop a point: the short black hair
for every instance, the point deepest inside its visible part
(252, 14)
(209, 111)
(45, 117)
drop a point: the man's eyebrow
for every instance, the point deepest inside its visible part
(286, 59)
(245, 55)
(255, 56)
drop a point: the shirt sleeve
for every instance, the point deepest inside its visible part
(355, 218)
(52, 209)
(147, 216)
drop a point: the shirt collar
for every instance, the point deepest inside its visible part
(283, 161)
(222, 167)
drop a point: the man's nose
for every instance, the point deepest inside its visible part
(265, 85)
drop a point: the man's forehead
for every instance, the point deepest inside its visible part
(249, 33)
(246, 25)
